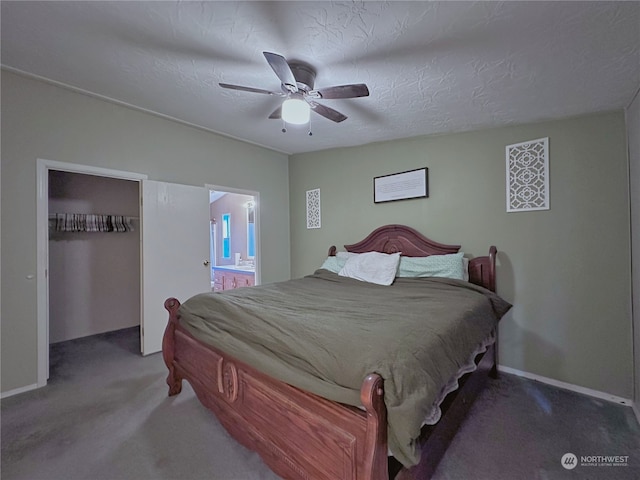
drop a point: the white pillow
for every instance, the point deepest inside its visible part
(373, 267)
(346, 255)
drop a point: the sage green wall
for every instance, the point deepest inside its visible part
(566, 270)
(40, 120)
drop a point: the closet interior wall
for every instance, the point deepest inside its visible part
(94, 277)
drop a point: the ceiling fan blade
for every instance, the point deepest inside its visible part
(344, 91)
(282, 69)
(327, 112)
(249, 89)
(277, 113)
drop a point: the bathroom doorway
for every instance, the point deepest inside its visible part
(234, 239)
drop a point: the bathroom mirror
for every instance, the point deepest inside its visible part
(251, 230)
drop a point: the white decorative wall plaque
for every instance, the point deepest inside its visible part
(313, 208)
(528, 175)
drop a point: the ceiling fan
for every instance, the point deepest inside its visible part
(297, 85)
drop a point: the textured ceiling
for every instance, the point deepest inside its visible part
(431, 67)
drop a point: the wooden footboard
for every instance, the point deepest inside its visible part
(299, 435)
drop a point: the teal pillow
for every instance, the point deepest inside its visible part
(448, 266)
(334, 264)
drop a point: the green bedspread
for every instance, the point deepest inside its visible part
(324, 333)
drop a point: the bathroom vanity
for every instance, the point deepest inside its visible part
(230, 277)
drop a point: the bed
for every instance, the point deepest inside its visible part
(330, 426)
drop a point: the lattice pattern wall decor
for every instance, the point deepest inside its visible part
(528, 175)
(313, 208)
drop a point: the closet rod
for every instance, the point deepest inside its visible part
(53, 216)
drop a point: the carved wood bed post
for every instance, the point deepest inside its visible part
(372, 398)
(493, 373)
(168, 346)
(493, 251)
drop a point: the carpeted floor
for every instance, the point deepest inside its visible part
(105, 415)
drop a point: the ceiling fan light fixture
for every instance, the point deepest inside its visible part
(297, 86)
(296, 111)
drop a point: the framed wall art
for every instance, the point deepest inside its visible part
(401, 186)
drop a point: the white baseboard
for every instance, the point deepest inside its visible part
(569, 386)
(16, 391)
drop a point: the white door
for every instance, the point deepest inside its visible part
(175, 252)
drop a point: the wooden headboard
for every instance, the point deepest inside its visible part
(411, 243)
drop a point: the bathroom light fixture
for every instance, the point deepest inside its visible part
(296, 111)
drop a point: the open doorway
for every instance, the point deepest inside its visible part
(234, 239)
(94, 254)
(44, 231)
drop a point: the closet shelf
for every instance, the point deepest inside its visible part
(89, 222)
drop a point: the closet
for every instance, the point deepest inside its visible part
(94, 255)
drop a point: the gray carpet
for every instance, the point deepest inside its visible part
(105, 415)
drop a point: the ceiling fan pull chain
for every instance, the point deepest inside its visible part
(284, 126)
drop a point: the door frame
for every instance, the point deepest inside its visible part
(43, 167)
(255, 195)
